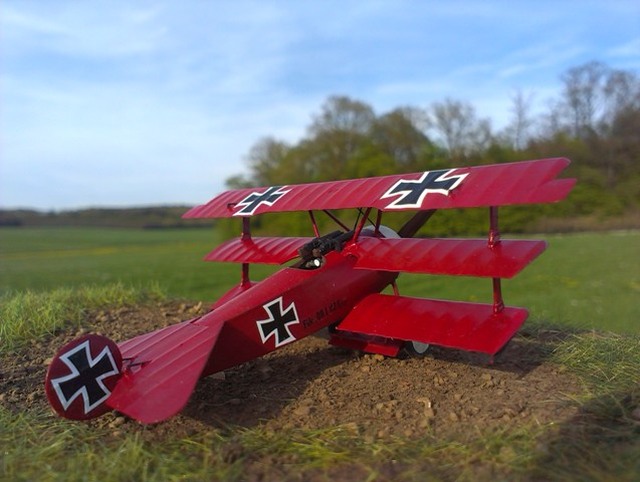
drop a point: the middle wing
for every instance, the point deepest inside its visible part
(492, 185)
(450, 256)
(258, 250)
(460, 257)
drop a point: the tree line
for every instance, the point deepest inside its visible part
(595, 121)
(153, 217)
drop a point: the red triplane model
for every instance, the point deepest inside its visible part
(333, 280)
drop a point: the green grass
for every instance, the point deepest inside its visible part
(603, 441)
(600, 443)
(583, 280)
(41, 259)
(40, 448)
(586, 281)
(28, 315)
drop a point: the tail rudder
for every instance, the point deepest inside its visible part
(149, 378)
(162, 369)
(82, 376)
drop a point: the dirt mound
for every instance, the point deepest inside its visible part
(310, 384)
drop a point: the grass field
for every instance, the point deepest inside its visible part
(40, 259)
(601, 443)
(582, 280)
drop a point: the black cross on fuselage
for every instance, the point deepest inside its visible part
(277, 324)
(254, 200)
(86, 377)
(412, 192)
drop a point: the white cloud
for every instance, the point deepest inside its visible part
(114, 102)
(627, 54)
(90, 30)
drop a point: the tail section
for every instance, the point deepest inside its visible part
(82, 376)
(149, 378)
(162, 369)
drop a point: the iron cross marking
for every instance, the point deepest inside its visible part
(411, 193)
(254, 200)
(86, 377)
(277, 325)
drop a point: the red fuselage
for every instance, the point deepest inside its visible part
(287, 306)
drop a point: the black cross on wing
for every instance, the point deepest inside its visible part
(411, 193)
(254, 200)
(86, 377)
(277, 325)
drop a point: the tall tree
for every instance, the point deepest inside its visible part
(400, 134)
(582, 91)
(343, 114)
(619, 147)
(521, 121)
(339, 131)
(462, 132)
(265, 160)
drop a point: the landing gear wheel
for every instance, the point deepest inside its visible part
(415, 349)
(82, 376)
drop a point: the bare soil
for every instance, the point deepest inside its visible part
(310, 384)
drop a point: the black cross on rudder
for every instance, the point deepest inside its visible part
(87, 377)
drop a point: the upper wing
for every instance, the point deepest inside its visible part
(492, 185)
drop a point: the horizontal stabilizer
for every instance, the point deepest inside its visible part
(468, 257)
(453, 324)
(258, 250)
(161, 370)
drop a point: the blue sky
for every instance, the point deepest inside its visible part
(120, 103)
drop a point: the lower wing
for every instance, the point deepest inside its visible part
(454, 324)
